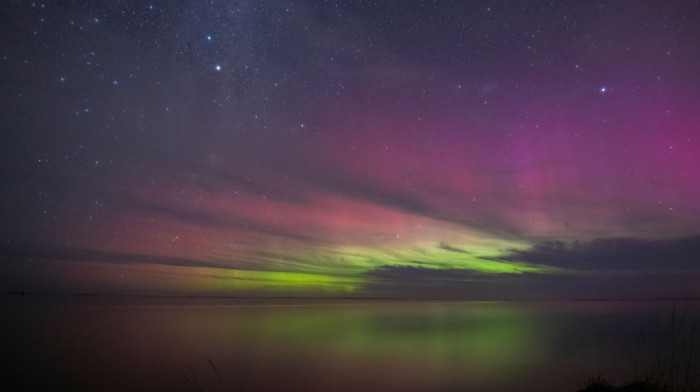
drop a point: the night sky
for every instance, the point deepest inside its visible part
(427, 149)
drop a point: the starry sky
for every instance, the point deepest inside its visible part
(413, 149)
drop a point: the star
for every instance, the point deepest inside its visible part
(356, 132)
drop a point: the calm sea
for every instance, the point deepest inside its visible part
(186, 344)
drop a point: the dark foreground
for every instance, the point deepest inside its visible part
(188, 344)
(600, 385)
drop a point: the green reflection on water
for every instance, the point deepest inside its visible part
(449, 338)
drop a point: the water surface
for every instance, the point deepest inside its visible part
(114, 344)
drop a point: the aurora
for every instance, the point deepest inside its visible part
(365, 150)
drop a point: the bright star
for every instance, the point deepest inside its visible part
(208, 37)
(218, 67)
(603, 90)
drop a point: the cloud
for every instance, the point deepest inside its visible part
(452, 248)
(19, 251)
(430, 276)
(357, 187)
(225, 221)
(610, 254)
(420, 282)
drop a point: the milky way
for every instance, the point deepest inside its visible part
(413, 149)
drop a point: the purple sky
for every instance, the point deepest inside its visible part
(411, 149)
